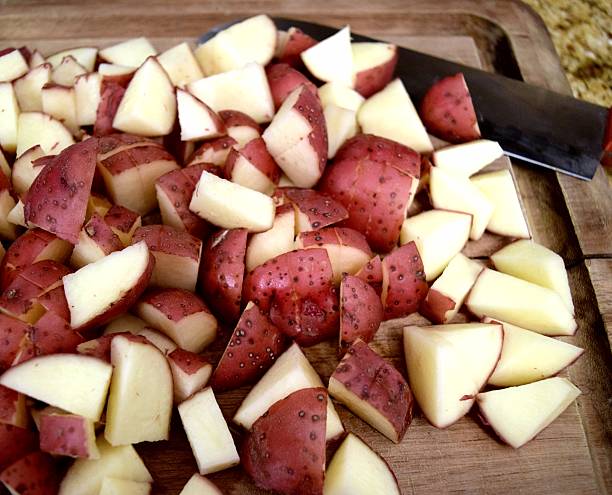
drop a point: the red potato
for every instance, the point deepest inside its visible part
(213, 152)
(252, 166)
(7, 203)
(101, 347)
(448, 112)
(123, 222)
(285, 450)
(14, 335)
(190, 373)
(297, 137)
(375, 179)
(96, 240)
(314, 210)
(251, 350)
(180, 150)
(115, 143)
(57, 199)
(374, 390)
(15, 443)
(33, 246)
(20, 299)
(181, 315)
(373, 66)
(297, 290)
(111, 94)
(97, 204)
(347, 249)
(52, 335)
(196, 119)
(296, 42)
(372, 274)
(54, 301)
(404, 286)
(26, 168)
(130, 172)
(360, 311)
(12, 409)
(240, 127)
(283, 79)
(176, 253)
(174, 191)
(68, 435)
(222, 272)
(34, 474)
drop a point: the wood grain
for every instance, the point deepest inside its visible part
(570, 216)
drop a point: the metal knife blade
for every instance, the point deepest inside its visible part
(532, 124)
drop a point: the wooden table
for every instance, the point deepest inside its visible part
(572, 217)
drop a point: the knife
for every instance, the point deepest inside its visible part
(532, 124)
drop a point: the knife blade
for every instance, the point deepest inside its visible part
(532, 124)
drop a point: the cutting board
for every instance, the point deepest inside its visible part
(572, 217)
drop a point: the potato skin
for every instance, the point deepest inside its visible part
(435, 306)
(297, 42)
(15, 443)
(320, 209)
(372, 274)
(64, 434)
(372, 80)
(111, 94)
(37, 471)
(283, 79)
(52, 334)
(257, 154)
(13, 334)
(285, 450)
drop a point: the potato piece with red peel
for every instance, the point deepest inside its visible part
(222, 272)
(139, 405)
(57, 199)
(375, 179)
(446, 295)
(176, 253)
(77, 384)
(448, 112)
(213, 152)
(15, 443)
(123, 222)
(347, 249)
(96, 240)
(297, 290)
(251, 350)
(68, 435)
(374, 390)
(232, 206)
(297, 138)
(12, 410)
(293, 45)
(252, 166)
(13, 335)
(404, 285)
(283, 79)
(372, 274)
(181, 315)
(373, 66)
(240, 127)
(190, 373)
(208, 434)
(103, 290)
(197, 120)
(314, 210)
(111, 94)
(25, 169)
(274, 242)
(360, 311)
(101, 347)
(274, 462)
(51, 334)
(130, 172)
(34, 474)
(199, 485)
(174, 191)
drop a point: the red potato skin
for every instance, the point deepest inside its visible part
(361, 311)
(174, 304)
(309, 107)
(257, 154)
(114, 143)
(448, 112)
(403, 282)
(111, 94)
(168, 240)
(283, 79)
(285, 450)
(188, 362)
(101, 233)
(297, 290)
(24, 251)
(11, 411)
(341, 236)
(63, 434)
(297, 42)
(320, 209)
(127, 158)
(15, 443)
(372, 80)
(55, 302)
(252, 349)
(13, 334)
(213, 152)
(234, 118)
(372, 177)
(435, 305)
(222, 272)
(101, 347)
(179, 185)
(372, 274)
(34, 474)
(377, 382)
(57, 199)
(121, 218)
(52, 334)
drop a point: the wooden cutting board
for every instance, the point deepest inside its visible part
(574, 455)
